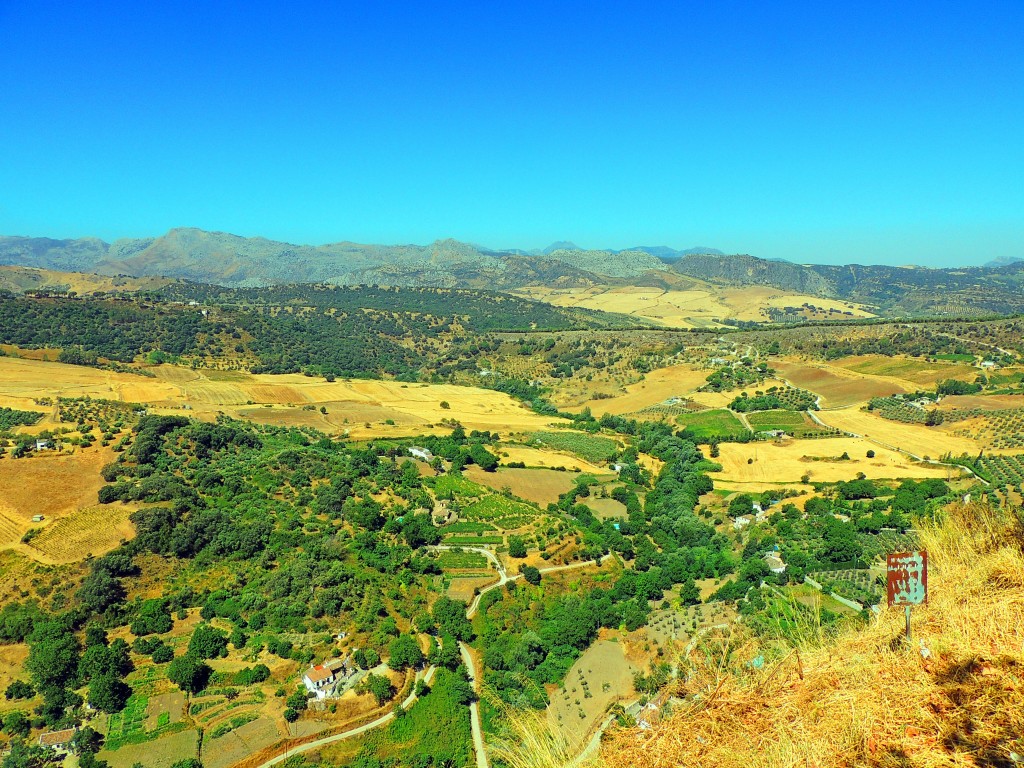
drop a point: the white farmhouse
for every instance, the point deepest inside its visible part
(321, 679)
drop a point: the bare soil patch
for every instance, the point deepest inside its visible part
(541, 486)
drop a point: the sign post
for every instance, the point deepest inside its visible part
(906, 581)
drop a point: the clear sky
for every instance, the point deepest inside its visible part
(889, 132)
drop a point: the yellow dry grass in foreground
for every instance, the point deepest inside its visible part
(955, 697)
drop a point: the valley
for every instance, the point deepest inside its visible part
(572, 506)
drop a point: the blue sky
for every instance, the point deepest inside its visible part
(828, 132)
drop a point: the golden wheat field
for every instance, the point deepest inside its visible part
(789, 460)
(915, 438)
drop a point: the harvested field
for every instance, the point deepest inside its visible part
(241, 742)
(789, 460)
(837, 387)
(601, 676)
(657, 387)
(539, 457)
(50, 484)
(463, 589)
(606, 508)
(541, 486)
(93, 531)
(694, 304)
(918, 439)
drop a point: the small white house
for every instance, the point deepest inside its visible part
(321, 679)
(44, 445)
(420, 453)
(58, 741)
(774, 563)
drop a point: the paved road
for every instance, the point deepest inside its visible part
(474, 711)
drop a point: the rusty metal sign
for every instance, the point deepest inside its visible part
(907, 578)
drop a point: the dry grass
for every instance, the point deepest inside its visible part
(955, 697)
(92, 531)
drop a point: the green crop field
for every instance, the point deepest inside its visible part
(462, 560)
(706, 425)
(496, 506)
(473, 541)
(590, 447)
(795, 423)
(445, 485)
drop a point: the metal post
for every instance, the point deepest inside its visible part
(908, 624)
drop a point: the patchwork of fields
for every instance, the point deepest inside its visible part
(363, 408)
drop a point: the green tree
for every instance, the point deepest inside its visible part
(108, 693)
(208, 642)
(404, 652)
(380, 686)
(531, 574)
(516, 546)
(53, 655)
(189, 673)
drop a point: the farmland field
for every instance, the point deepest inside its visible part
(916, 438)
(601, 676)
(50, 484)
(93, 531)
(541, 486)
(796, 423)
(537, 456)
(350, 405)
(837, 387)
(693, 304)
(592, 448)
(711, 424)
(788, 462)
(656, 387)
(912, 370)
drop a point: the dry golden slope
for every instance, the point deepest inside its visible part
(863, 699)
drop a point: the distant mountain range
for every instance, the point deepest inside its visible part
(229, 260)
